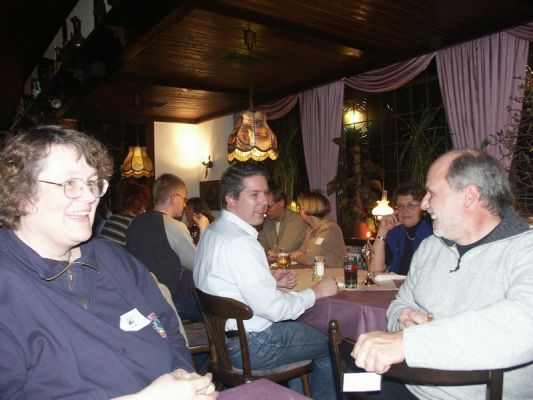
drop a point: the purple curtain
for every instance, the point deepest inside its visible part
(279, 108)
(523, 32)
(321, 121)
(480, 81)
(391, 77)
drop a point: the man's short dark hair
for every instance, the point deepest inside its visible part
(479, 168)
(277, 192)
(231, 181)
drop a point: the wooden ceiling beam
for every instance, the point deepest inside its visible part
(216, 7)
(161, 17)
(180, 84)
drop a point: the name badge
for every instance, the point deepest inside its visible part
(133, 321)
(319, 240)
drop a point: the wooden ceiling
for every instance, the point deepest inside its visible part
(186, 60)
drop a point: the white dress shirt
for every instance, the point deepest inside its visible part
(230, 262)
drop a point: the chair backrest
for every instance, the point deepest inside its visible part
(341, 349)
(216, 311)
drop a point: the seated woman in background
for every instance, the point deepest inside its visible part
(133, 199)
(195, 206)
(323, 237)
(81, 319)
(400, 234)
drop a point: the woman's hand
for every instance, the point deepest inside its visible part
(387, 223)
(177, 385)
(201, 221)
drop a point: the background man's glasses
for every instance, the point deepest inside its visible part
(183, 197)
(409, 206)
(73, 188)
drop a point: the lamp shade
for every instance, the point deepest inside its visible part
(252, 138)
(137, 164)
(382, 208)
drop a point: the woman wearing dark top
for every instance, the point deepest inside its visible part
(134, 199)
(196, 205)
(81, 319)
(401, 233)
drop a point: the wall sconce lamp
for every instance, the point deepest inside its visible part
(208, 165)
(382, 207)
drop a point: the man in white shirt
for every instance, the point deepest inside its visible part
(230, 262)
(164, 244)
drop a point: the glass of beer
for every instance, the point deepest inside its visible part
(284, 258)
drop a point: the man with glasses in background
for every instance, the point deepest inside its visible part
(282, 228)
(400, 234)
(164, 244)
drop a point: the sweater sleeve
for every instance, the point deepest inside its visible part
(180, 241)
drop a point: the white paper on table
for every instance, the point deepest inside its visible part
(361, 382)
(389, 276)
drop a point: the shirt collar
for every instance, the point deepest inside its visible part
(249, 229)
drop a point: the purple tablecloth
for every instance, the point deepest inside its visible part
(356, 311)
(261, 389)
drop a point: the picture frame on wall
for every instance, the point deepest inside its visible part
(210, 192)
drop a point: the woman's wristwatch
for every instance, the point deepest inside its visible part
(381, 238)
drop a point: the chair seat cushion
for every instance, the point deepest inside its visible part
(276, 370)
(196, 334)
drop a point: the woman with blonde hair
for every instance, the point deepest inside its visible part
(323, 237)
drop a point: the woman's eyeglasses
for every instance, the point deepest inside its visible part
(407, 206)
(73, 188)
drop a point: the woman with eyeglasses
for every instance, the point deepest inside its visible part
(400, 234)
(80, 318)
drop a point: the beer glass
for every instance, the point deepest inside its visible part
(284, 258)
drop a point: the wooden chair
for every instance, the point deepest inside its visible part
(198, 341)
(342, 347)
(216, 311)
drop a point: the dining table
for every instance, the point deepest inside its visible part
(359, 310)
(261, 389)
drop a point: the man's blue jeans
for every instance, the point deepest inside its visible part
(187, 308)
(287, 342)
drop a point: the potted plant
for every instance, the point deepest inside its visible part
(357, 184)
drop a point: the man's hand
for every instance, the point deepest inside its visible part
(377, 351)
(410, 317)
(272, 256)
(284, 278)
(325, 288)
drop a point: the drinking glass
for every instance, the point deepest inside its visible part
(284, 258)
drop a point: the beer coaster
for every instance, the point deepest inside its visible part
(274, 265)
(342, 287)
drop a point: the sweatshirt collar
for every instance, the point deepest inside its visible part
(46, 268)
